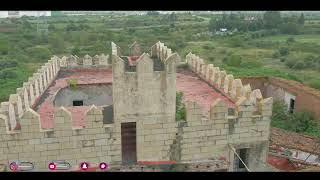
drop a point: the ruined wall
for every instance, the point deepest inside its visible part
(246, 126)
(305, 98)
(147, 97)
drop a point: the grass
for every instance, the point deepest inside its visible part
(179, 38)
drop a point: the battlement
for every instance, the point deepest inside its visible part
(160, 58)
(73, 61)
(26, 96)
(223, 82)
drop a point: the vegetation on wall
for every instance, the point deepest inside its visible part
(180, 107)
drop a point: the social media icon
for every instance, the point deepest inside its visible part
(52, 166)
(13, 166)
(103, 166)
(84, 166)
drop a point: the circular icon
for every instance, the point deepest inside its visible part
(84, 166)
(52, 166)
(103, 166)
(13, 166)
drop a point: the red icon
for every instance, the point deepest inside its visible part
(103, 166)
(52, 166)
(13, 166)
(84, 166)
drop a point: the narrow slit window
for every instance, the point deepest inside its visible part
(77, 103)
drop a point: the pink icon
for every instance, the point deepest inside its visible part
(103, 166)
(52, 166)
(84, 166)
(13, 166)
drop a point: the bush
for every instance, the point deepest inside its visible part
(290, 62)
(315, 84)
(233, 60)
(7, 64)
(300, 122)
(299, 65)
(290, 40)
(276, 54)
(284, 51)
(4, 46)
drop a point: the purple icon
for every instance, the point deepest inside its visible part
(103, 166)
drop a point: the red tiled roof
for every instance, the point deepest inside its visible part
(194, 89)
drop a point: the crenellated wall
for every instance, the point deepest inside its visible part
(28, 94)
(87, 61)
(246, 126)
(94, 143)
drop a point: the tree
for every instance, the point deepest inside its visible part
(272, 19)
(301, 19)
(289, 28)
(173, 18)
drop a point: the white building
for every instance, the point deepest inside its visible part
(18, 14)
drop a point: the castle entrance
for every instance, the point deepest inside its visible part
(128, 143)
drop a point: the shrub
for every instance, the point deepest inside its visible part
(276, 54)
(315, 84)
(290, 62)
(4, 46)
(299, 65)
(233, 60)
(284, 51)
(301, 122)
(72, 84)
(290, 40)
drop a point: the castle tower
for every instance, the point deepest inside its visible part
(144, 95)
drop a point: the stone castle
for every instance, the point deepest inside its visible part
(121, 110)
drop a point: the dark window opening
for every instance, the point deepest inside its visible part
(157, 65)
(243, 154)
(107, 115)
(231, 112)
(231, 125)
(291, 107)
(77, 103)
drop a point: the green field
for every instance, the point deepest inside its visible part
(92, 35)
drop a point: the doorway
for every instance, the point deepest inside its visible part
(128, 143)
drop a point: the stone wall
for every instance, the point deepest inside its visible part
(147, 97)
(27, 96)
(246, 126)
(94, 143)
(75, 62)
